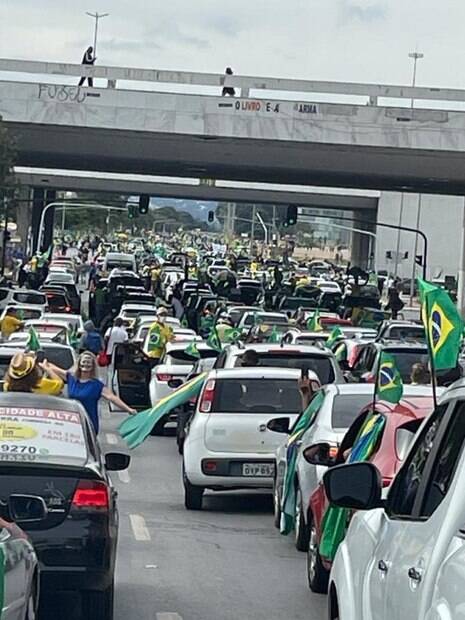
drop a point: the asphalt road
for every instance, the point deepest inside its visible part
(226, 562)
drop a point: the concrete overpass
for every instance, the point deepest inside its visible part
(264, 138)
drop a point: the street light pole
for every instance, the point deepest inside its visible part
(416, 56)
(97, 16)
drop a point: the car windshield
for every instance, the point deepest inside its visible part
(346, 408)
(178, 358)
(320, 365)
(406, 359)
(42, 436)
(276, 396)
(29, 298)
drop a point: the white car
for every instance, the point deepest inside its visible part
(73, 321)
(228, 444)
(21, 296)
(23, 312)
(249, 319)
(403, 557)
(175, 366)
(130, 312)
(60, 277)
(328, 286)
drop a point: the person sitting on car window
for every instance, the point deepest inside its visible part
(250, 359)
(24, 374)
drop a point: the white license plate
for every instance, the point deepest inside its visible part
(258, 469)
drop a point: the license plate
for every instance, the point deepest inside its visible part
(264, 470)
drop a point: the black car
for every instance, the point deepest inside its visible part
(49, 454)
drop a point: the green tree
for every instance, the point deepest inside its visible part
(7, 159)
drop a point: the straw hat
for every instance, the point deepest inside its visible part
(21, 365)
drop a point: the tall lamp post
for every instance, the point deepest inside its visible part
(97, 17)
(415, 56)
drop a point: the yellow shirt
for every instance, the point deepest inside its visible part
(158, 336)
(52, 387)
(9, 325)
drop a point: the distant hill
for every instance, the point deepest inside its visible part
(196, 208)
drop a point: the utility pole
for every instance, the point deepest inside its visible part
(252, 230)
(97, 16)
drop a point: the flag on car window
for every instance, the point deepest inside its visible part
(274, 336)
(231, 335)
(192, 350)
(389, 385)
(33, 343)
(214, 341)
(137, 428)
(313, 323)
(336, 334)
(443, 325)
(288, 500)
(74, 337)
(336, 519)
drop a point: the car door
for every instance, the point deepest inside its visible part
(400, 534)
(13, 588)
(412, 575)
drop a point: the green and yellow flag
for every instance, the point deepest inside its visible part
(313, 323)
(275, 336)
(214, 341)
(389, 385)
(443, 325)
(192, 350)
(137, 428)
(335, 335)
(33, 343)
(232, 335)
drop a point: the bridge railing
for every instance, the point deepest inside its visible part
(373, 92)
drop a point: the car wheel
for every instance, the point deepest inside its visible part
(193, 495)
(333, 606)
(32, 602)
(301, 528)
(318, 576)
(277, 504)
(99, 605)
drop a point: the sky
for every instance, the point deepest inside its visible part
(340, 40)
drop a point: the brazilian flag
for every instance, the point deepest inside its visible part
(214, 341)
(443, 325)
(389, 384)
(335, 335)
(192, 350)
(137, 428)
(275, 336)
(313, 323)
(33, 343)
(232, 335)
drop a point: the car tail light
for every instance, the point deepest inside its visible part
(333, 450)
(369, 378)
(91, 494)
(207, 397)
(386, 482)
(210, 466)
(67, 309)
(163, 378)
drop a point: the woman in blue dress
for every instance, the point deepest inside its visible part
(85, 387)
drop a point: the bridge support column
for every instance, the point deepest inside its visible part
(23, 218)
(363, 246)
(41, 198)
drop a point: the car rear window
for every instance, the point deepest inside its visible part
(402, 333)
(406, 359)
(346, 408)
(41, 436)
(119, 264)
(61, 357)
(29, 298)
(276, 396)
(321, 365)
(270, 319)
(26, 314)
(177, 358)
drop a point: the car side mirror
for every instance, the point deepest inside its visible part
(117, 461)
(321, 454)
(356, 486)
(26, 508)
(175, 383)
(279, 425)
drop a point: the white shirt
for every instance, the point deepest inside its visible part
(115, 335)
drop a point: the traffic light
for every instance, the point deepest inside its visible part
(211, 217)
(132, 211)
(291, 216)
(144, 202)
(419, 260)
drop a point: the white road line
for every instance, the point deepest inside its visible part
(124, 476)
(139, 528)
(168, 615)
(112, 439)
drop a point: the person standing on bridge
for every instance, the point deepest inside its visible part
(88, 59)
(228, 90)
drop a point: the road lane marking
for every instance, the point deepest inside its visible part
(168, 615)
(139, 528)
(124, 476)
(112, 439)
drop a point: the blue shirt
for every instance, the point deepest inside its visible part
(88, 393)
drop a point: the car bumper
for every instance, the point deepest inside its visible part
(229, 472)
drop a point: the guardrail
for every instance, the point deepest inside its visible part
(372, 91)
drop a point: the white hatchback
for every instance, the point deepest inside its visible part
(228, 443)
